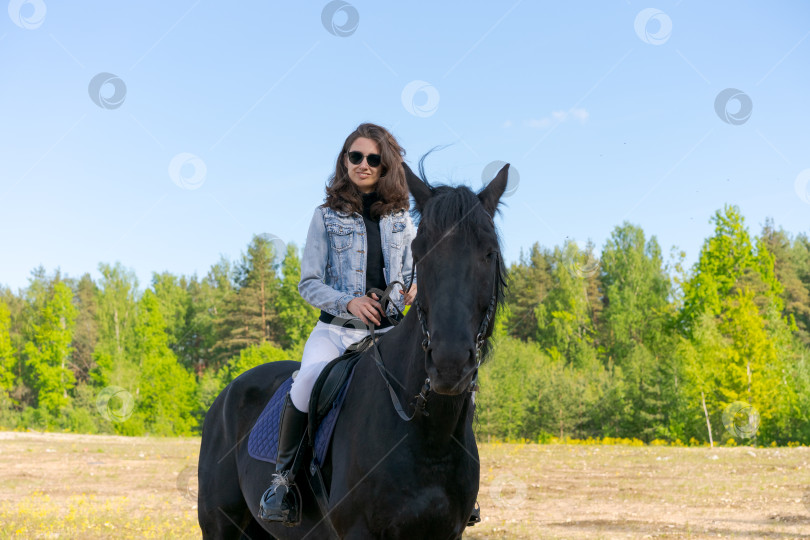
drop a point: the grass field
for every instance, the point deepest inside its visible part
(87, 486)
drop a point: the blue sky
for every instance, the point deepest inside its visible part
(606, 109)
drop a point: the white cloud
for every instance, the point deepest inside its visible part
(507, 124)
(558, 117)
(535, 123)
(580, 114)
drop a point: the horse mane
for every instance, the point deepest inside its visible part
(459, 208)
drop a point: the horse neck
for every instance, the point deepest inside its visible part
(404, 358)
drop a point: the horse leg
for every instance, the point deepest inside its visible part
(233, 523)
(221, 507)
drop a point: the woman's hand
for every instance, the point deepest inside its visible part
(408, 297)
(366, 308)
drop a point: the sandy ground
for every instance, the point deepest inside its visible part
(55, 485)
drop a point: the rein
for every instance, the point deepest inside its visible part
(421, 397)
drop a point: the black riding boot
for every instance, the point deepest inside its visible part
(475, 517)
(281, 502)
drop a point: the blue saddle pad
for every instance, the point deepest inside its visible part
(263, 438)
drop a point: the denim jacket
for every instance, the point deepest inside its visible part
(333, 265)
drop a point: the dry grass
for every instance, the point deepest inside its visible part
(84, 486)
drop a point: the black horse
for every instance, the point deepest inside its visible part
(389, 478)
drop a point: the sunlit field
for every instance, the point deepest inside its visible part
(91, 486)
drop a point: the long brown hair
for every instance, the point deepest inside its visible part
(392, 189)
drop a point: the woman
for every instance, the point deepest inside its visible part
(358, 239)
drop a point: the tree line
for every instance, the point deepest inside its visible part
(619, 343)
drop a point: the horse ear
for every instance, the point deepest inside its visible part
(491, 195)
(419, 189)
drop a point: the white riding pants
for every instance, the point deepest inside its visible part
(325, 343)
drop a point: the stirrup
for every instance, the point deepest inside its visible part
(281, 503)
(475, 517)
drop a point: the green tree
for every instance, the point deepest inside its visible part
(250, 357)
(250, 317)
(117, 297)
(7, 356)
(208, 310)
(636, 292)
(175, 306)
(165, 395)
(635, 327)
(507, 405)
(735, 298)
(85, 335)
(296, 316)
(564, 320)
(700, 357)
(529, 282)
(728, 261)
(48, 355)
(791, 265)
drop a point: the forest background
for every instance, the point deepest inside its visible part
(618, 342)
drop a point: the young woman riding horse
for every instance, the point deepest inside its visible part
(391, 475)
(359, 239)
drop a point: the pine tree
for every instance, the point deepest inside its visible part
(788, 265)
(250, 317)
(529, 282)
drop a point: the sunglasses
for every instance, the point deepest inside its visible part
(356, 158)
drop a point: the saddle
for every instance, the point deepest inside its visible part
(324, 406)
(330, 382)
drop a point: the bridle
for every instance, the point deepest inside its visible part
(421, 398)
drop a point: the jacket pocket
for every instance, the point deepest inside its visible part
(340, 236)
(397, 234)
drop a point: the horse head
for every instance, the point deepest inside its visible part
(460, 273)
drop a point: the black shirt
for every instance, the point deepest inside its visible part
(375, 278)
(374, 257)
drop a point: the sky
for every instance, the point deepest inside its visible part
(165, 135)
